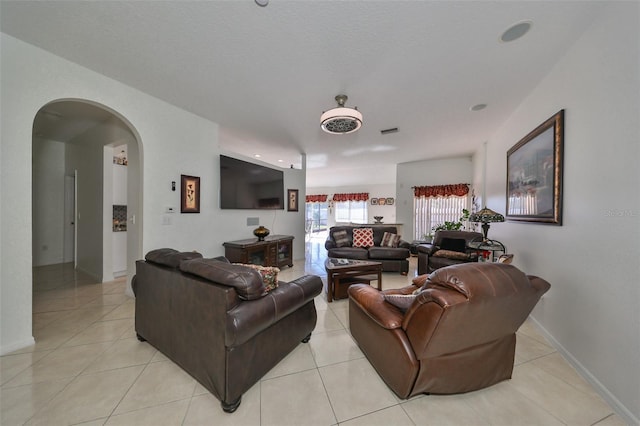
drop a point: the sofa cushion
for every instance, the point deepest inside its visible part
(269, 274)
(450, 254)
(388, 253)
(246, 281)
(357, 253)
(341, 238)
(390, 240)
(401, 301)
(170, 257)
(363, 237)
(454, 244)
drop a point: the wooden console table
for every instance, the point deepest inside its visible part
(275, 250)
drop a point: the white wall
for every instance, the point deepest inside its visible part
(592, 311)
(173, 142)
(48, 201)
(430, 172)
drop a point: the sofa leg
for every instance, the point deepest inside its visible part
(307, 338)
(140, 338)
(231, 407)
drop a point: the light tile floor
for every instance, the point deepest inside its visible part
(88, 368)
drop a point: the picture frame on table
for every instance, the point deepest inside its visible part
(534, 174)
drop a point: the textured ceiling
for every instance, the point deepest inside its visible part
(266, 74)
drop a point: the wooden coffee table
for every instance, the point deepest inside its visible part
(349, 270)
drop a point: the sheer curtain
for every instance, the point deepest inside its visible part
(434, 205)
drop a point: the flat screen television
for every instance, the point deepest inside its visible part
(245, 185)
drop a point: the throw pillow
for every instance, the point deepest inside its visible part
(341, 238)
(363, 237)
(420, 280)
(453, 244)
(450, 254)
(390, 240)
(401, 301)
(269, 275)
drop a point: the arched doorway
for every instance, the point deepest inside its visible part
(73, 146)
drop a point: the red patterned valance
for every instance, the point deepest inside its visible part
(320, 198)
(458, 189)
(355, 196)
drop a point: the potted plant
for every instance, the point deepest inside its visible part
(454, 226)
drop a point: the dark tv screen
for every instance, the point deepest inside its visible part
(245, 185)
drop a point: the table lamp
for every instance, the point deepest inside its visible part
(486, 216)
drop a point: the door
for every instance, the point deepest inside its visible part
(70, 208)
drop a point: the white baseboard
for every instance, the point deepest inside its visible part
(17, 345)
(610, 398)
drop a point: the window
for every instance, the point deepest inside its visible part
(434, 205)
(351, 211)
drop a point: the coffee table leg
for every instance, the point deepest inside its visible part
(329, 288)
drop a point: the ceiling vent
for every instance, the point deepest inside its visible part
(341, 120)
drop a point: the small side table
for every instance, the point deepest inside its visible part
(488, 245)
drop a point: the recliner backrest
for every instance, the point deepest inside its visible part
(468, 236)
(470, 304)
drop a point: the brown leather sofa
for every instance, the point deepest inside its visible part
(393, 259)
(458, 334)
(450, 241)
(216, 321)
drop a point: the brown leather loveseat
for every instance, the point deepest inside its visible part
(216, 320)
(457, 334)
(393, 259)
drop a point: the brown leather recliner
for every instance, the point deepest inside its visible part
(446, 240)
(458, 334)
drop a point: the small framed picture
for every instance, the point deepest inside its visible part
(390, 201)
(292, 197)
(374, 201)
(189, 194)
(382, 201)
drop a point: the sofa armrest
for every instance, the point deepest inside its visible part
(427, 249)
(329, 244)
(404, 244)
(250, 317)
(371, 302)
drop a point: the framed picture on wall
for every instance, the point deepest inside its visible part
(374, 201)
(390, 201)
(189, 194)
(534, 174)
(292, 197)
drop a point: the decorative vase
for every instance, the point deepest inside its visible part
(378, 219)
(261, 232)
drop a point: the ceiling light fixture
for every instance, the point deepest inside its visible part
(341, 120)
(262, 3)
(478, 107)
(516, 31)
